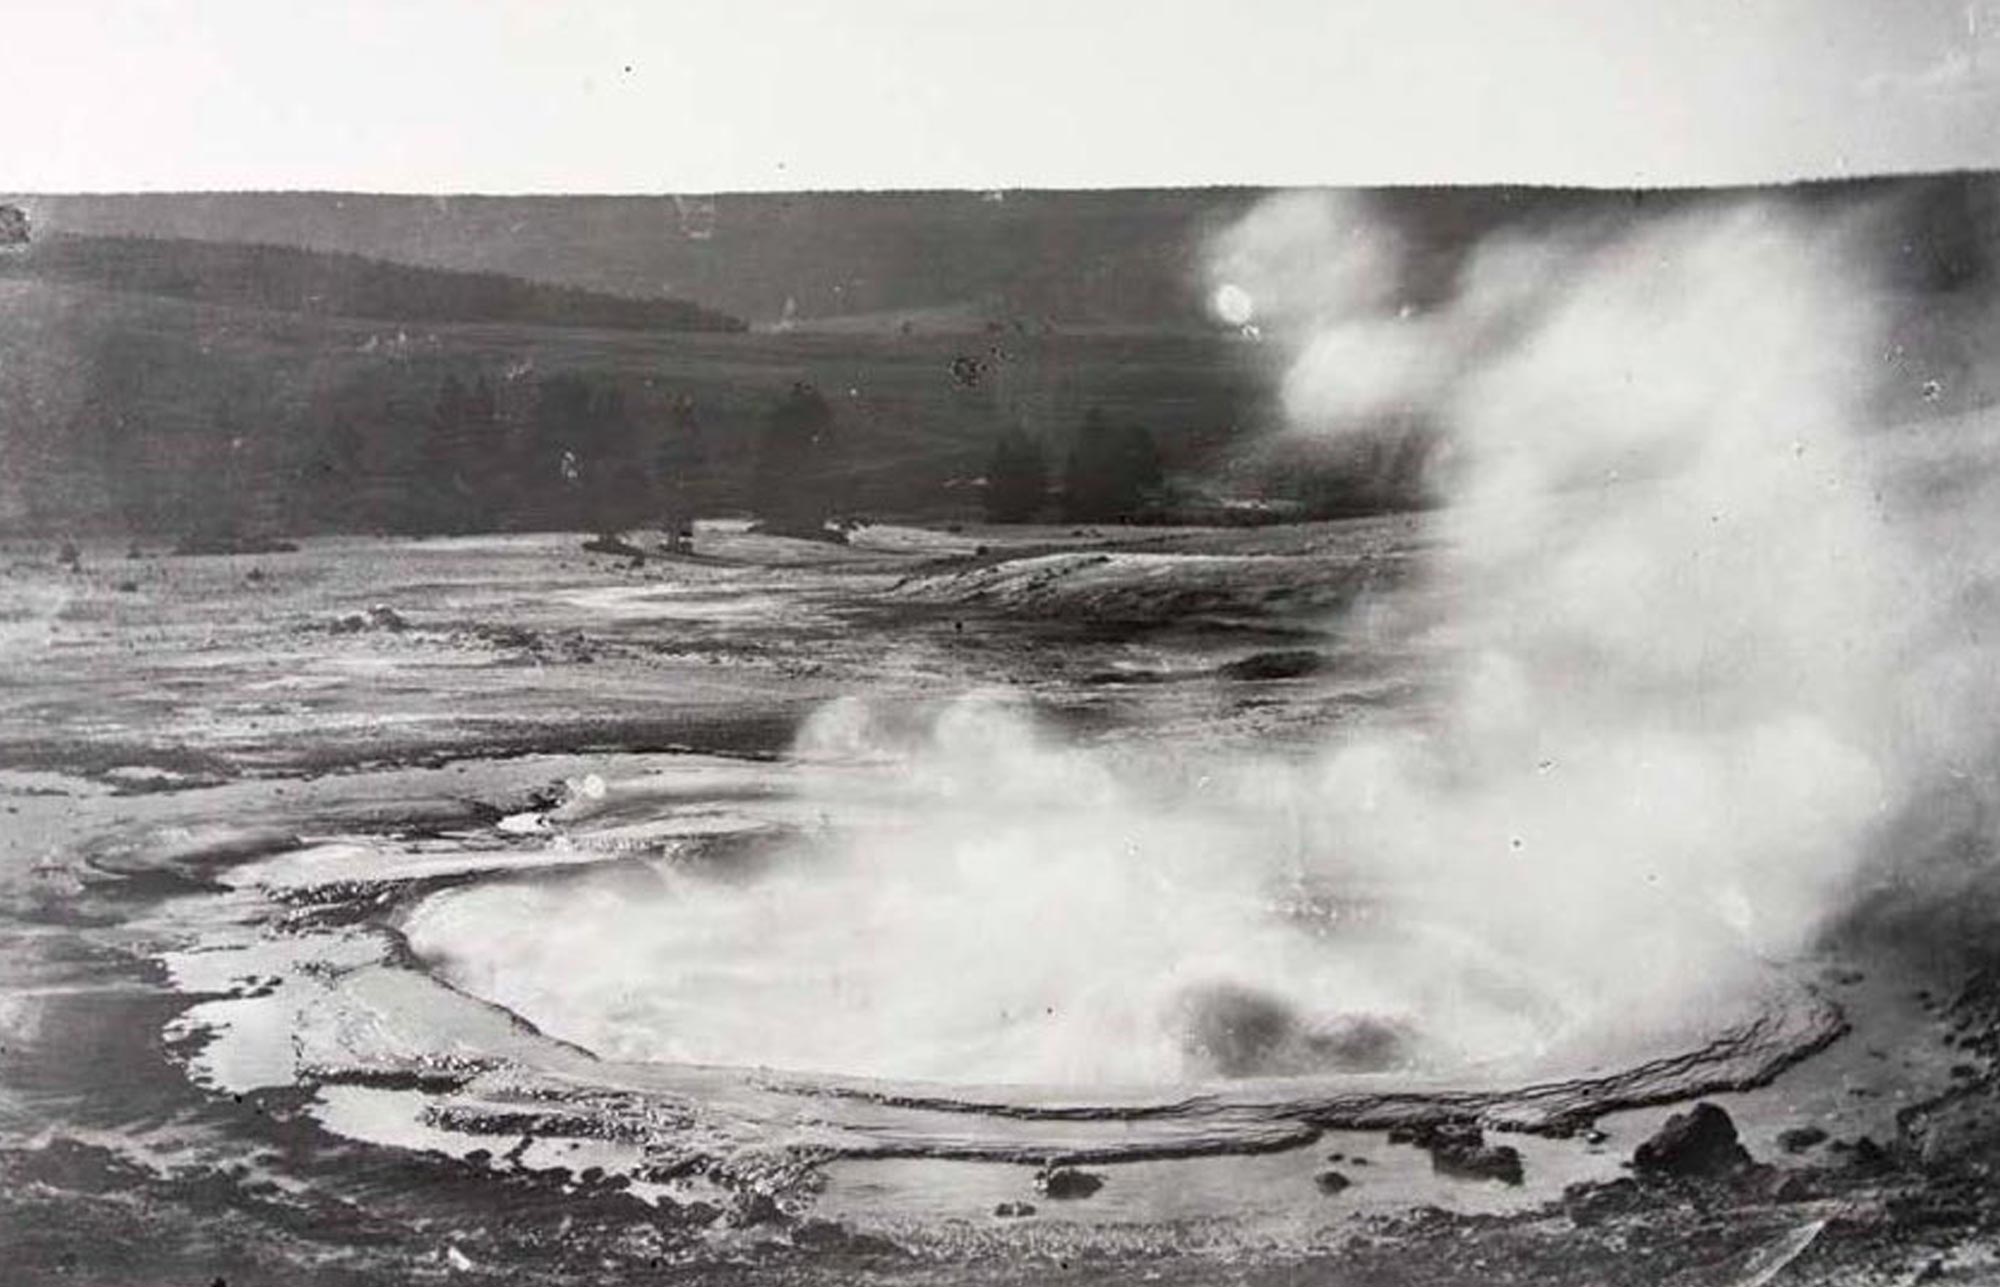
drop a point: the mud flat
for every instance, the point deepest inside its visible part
(225, 1056)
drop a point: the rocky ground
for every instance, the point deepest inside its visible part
(164, 721)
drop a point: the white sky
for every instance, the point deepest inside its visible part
(710, 95)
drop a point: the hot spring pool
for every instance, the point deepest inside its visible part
(738, 967)
(1033, 968)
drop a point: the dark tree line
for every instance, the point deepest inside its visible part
(568, 451)
(460, 433)
(1112, 473)
(1017, 478)
(325, 282)
(572, 454)
(795, 487)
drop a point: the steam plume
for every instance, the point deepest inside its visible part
(1702, 648)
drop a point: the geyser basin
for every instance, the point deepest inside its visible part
(708, 986)
(972, 903)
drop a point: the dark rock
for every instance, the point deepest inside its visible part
(1287, 663)
(1587, 1203)
(1699, 1143)
(384, 617)
(1460, 1149)
(128, 587)
(1014, 1210)
(69, 556)
(1330, 1181)
(753, 1207)
(1800, 1138)
(1066, 1182)
(1866, 1155)
(1448, 1134)
(1478, 1161)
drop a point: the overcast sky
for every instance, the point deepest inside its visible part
(711, 95)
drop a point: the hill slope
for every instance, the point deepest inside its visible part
(1125, 258)
(293, 279)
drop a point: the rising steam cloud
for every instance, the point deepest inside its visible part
(1701, 651)
(1702, 661)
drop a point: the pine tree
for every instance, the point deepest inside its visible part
(446, 504)
(617, 493)
(791, 488)
(1017, 478)
(1112, 472)
(676, 468)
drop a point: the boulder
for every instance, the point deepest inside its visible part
(751, 1208)
(1478, 1161)
(1459, 1149)
(1800, 1138)
(1330, 1181)
(1868, 1156)
(1700, 1143)
(1589, 1203)
(1066, 1182)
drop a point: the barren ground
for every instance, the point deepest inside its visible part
(173, 731)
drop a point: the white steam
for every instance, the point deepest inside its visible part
(1696, 660)
(1689, 628)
